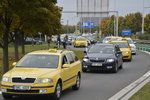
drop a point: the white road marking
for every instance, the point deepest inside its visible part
(131, 89)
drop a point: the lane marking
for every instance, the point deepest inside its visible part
(127, 92)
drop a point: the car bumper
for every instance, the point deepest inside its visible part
(38, 90)
(104, 66)
(133, 51)
(80, 45)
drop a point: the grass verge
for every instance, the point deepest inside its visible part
(143, 94)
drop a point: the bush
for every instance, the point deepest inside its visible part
(144, 36)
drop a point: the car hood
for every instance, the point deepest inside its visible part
(125, 49)
(98, 55)
(30, 72)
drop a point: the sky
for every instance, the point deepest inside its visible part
(124, 7)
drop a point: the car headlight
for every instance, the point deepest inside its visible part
(86, 59)
(45, 80)
(110, 60)
(6, 79)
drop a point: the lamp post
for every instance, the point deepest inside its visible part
(143, 15)
(143, 19)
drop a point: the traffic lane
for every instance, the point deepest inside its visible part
(101, 85)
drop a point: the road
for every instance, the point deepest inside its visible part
(103, 85)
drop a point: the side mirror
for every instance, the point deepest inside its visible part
(66, 66)
(119, 52)
(14, 64)
(85, 52)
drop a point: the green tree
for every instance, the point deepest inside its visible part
(147, 24)
(29, 17)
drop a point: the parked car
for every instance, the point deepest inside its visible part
(103, 57)
(46, 72)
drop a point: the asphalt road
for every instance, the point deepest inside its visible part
(103, 85)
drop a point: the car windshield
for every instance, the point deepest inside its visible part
(105, 49)
(130, 42)
(122, 44)
(38, 61)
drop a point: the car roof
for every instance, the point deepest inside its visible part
(119, 41)
(105, 44)
(49, 52)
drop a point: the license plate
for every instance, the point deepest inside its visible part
(97, 64)
(22, 87)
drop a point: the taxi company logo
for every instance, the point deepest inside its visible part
(96, 58)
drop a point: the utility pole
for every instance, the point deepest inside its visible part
(143, 19)
(67, 26)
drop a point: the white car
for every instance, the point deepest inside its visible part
(132, 45)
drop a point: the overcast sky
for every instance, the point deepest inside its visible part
(123, 6)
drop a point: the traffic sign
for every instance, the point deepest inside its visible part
(126, 32)
(88, 25)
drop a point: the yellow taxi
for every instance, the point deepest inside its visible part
(125, 49)
(45, 72)
(111, 38)
(132, 44)
(81, 42)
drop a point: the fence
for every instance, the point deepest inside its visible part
(143, 47)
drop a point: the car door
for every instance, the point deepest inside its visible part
(119, 55)
(65, 72)
(73, 69)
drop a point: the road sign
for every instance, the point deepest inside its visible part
(126, 33)
(88, 25)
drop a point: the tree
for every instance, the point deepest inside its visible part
(147, 24)
(29, 17)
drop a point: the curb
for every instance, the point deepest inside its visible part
(133, 88)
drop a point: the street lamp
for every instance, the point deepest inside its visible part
(143, 21)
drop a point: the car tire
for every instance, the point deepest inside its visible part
(7, 96)
(130, 59)
(78, 82)
(115, 69)
(121, 66)
(84, 70)
(58, 91)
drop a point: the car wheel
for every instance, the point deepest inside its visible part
(115, 69)
(84, 70)
(78, 82)
(121, 66)
(58, 90)
(6, 96)
(130, 59)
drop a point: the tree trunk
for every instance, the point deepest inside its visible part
(16, 45)
(5, 53)
(22, 43)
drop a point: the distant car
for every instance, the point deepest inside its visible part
(103, 57)
(132, 45)
(92, 39)
(81, 42)
(29, 41)
(46, 72)
(111, 38)
(125, 48)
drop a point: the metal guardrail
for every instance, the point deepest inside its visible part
(143, 47)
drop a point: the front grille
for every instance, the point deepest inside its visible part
(21, 80)
(97, 60)
(23, 91)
